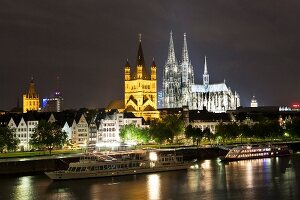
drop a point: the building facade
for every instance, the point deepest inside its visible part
(54, 104)
(31, 100)
(141, 88)
(180, 90)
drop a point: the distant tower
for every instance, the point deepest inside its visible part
(55, 103)
(140, 89)
(187, 75)
(31, 100)
(171, 79)
(254, 103)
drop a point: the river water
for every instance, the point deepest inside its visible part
(270, 178)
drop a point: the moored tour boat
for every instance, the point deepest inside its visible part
(127, 163)
(253, 152)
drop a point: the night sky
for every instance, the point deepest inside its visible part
(253, 45)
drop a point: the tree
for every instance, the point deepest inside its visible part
(132, 133)
(48, 135)
(245, 131)
(159, 132)
(8, 140)
(175, 125)
(222, 132)
(208, 134)
(293, 128)
(195, 133)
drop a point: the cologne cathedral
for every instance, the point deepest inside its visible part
(180, 90)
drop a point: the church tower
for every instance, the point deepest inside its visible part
(141, 89)
(171, 79)
(187, 75)
(31, 100)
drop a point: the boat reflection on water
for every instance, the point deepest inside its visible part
(268, 178)
(264, 172)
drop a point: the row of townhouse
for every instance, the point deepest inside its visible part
(82, 129)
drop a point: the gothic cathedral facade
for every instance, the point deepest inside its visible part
(180, 90)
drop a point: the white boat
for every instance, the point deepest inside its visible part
(100, 165)
(253, 152)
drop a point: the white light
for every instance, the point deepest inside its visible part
(153, 156)
(131, 143)
(108, 144)
(196, 166)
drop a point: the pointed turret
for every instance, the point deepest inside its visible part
(141, 72)
(205, 66)
(127, 71)
(171, 52)
(153, 63)
(140, 56)
(153, 70)
(205, 74)
(185, 53)
(32, 91)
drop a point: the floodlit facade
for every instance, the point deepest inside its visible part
(31, 100)
(141, 89)
(82, 130)
(180, 90)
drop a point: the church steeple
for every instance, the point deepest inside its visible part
(31, 98)
(140, 56)
(140, 72)
(171, 52)
(185, 53)
(32, 91)
(205, 74)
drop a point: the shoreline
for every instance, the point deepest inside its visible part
(37, 166)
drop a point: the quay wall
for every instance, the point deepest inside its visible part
(36, 166)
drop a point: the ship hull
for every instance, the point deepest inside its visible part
(65, 175)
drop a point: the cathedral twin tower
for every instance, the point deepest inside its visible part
(180, 90)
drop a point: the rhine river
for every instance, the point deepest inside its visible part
(271, 178)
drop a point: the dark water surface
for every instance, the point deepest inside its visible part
(271, 178)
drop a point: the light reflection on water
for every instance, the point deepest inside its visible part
(272, 178)
(23, 189)
(153, 185)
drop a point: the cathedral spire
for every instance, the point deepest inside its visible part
(140, 56)
(205, 66)
(171, 53)
(185, 53)
(205, 74)
(141, 71)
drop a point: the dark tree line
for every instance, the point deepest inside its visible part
(8, 139)
(197, 134)
(267, 129)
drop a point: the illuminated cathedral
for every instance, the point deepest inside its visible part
(180, 90)
(141, 88)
